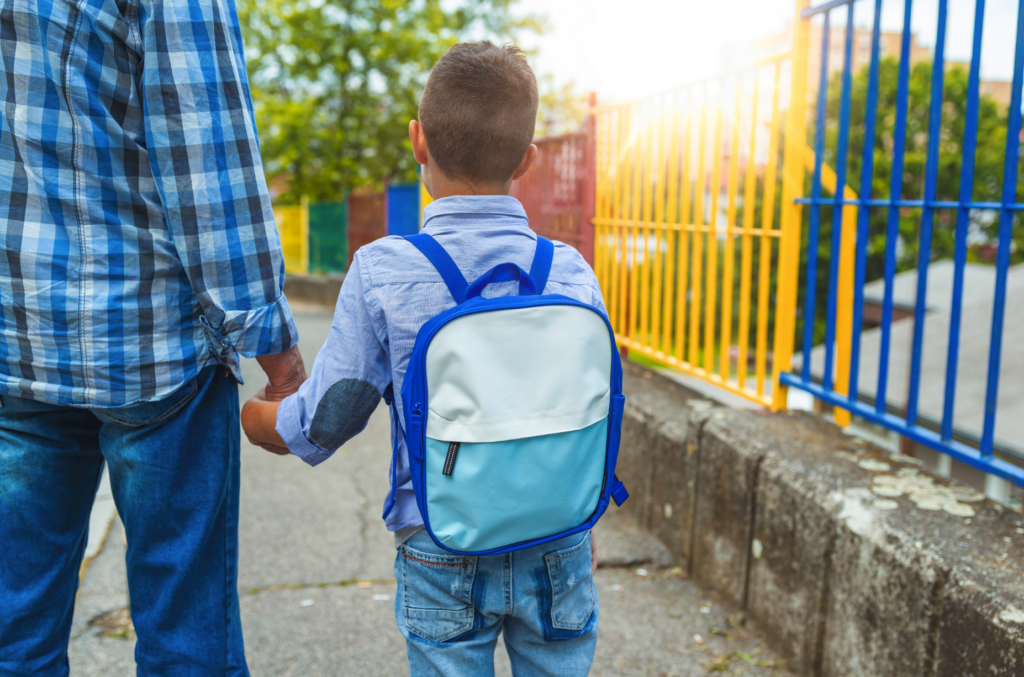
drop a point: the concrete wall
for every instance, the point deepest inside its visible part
(753, 504)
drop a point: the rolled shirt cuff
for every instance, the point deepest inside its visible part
(289, 427)
(265, 330)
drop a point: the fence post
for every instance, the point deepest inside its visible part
(588, 197)
(792, 188)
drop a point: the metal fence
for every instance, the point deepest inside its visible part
(907, 422)
(688, 236)
(558, 191)
(293, 227)
(701, 195)
(328, 237)
(322, 238)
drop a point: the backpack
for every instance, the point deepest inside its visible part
(513, 410)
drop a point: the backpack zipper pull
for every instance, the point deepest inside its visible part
(449, 461)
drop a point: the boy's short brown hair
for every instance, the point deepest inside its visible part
(478, 111)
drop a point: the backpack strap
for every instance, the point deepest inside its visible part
(452, 276)
(541, 267)
(618, 491)
(389, 399)
(436, 254)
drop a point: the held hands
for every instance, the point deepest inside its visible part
(285, 372)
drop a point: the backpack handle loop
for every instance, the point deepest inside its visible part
(503, 272)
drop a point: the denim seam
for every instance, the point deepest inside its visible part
(163, 417)
(464, 564)
(510, 596)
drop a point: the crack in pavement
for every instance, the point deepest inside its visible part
(364, 524)
(358, 582)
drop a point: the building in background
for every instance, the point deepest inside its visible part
(889, 47)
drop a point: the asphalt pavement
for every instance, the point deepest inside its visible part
(317, 586)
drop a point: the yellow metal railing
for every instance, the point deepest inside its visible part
(696, 250)
(293, 227)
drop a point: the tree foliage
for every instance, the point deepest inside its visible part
(335, 83)
(561, 108)
(988, 176)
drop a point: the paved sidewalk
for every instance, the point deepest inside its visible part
(317, 588)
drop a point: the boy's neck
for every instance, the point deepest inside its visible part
(440, 186)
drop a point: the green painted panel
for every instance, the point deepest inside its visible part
(328, 240)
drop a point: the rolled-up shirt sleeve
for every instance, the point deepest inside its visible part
(348, 378)
(204, 154)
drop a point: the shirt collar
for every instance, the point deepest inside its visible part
(464, 210)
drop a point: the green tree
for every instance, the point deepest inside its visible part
(335, 83)
(988, 159)
(561, 109)
(991, 143)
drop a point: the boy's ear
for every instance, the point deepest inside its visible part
(419, 141)
(524, 166)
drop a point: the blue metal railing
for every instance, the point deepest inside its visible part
(909, 423)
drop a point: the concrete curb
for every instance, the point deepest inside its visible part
(754, 504)
(319, 289)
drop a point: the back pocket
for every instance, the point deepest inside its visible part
(572, 587)
(437, 592)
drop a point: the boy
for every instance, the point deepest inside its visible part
(473, 138)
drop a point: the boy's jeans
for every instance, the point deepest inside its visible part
(174, 471)
(451, 608)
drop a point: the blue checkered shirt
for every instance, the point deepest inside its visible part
(137, 241)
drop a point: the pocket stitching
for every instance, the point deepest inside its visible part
(163, 417)
(464, 625)
(464, 564)
(569, 552)
(555, 561)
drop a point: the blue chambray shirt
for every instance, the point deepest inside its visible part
(137, 241)
(390, 291)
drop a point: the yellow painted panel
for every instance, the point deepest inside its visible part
(293, 227)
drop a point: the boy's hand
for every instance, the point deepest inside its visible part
(593, 554)
(259, 422)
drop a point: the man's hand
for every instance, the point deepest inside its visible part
(285, 371)
(259, 422)
(593, 553)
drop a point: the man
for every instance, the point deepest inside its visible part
(138, 260)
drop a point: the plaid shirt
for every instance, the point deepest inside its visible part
(137, 241)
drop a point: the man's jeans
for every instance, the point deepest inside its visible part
(174, 472)
(452, 608)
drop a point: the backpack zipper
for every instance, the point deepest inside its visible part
(449, 460)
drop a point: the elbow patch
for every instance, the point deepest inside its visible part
(343, 412)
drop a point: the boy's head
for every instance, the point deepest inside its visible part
(478, 113)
